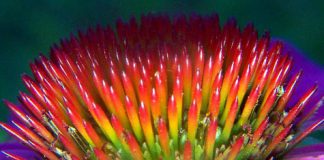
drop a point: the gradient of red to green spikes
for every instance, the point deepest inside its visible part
(229, 101)
(192, 122)
(135, 122)
(249, 105)
(228, 126)
(95, 138)
(173, 121)
(162, 89)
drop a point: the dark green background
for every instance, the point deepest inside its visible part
(30, 27)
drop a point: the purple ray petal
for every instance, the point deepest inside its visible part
(307, 153)
(13, 147)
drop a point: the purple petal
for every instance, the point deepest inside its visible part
(307, 153)
(19, 149)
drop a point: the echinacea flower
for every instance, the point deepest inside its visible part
(164, 89)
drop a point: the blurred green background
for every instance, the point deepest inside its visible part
(28, 28)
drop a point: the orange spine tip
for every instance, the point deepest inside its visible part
(77, 122)
(60, 126)
(265, 109)
(238, 62)
(70, 146)
(136, 75)
(32, 105)
(259, 131)
(311, 112)
(192, 122)
(253, 63)
(307, 131)
(146, 124)
(146, 79)
(299, 106)
(40, 129)
(129, 89)
(117, 126)
(287, 67)
(161, 90)
(102, 88)
(178, 96)
(163, 69)
(55, 72)
(273, 83)
(214, 103)
(249, 105)
(197, 97)
(218, 61)
(38, 72)
(273, 68)
(261, 68)
(119, 108)
(229, 122)
(226, 86)
(59, 70)
(33, 88)
(104, 124)
(261, 79)
(117, 83)
(288, 92)
(96, 139)
(206, 84)
(29, 133)
(144, 94)
(199, 60)
(217, 83)
(14, 132)
(173, 120)
(244, 82)
(16, 111)
(56, 109)
(187, 71)
(195, 82)
(67, 94)
(52, 88)
(231, 97)
(155, 106)
(133, 116)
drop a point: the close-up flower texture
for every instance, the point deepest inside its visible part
(163, 88)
